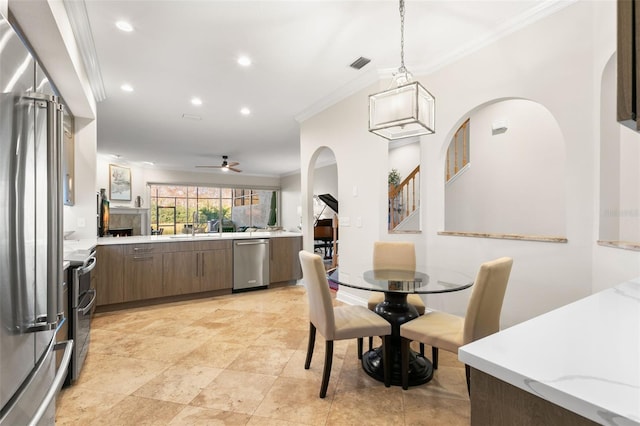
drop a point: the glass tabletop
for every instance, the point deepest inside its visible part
(434, 280)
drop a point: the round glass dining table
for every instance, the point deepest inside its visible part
(396, 285)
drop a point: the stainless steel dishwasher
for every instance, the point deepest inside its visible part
(250, 264)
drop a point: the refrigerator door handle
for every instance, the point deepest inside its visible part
(50, 320)
(67, 345)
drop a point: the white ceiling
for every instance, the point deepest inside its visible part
(301, 51)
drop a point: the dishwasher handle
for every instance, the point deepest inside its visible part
(251, 243)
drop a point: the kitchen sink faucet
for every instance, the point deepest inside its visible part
(194, 221)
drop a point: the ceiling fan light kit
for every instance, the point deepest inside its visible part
(225, 166)
(406, 109)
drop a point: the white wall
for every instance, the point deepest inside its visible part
(291, 203)
(557, 62)
(515, 180)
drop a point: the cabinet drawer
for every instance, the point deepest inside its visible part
(139, 249)
(212, 245)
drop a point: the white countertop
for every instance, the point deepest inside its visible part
(584, 357)
(196, 237)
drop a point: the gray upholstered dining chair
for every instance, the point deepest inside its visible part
(395, 255)
(337, 323)
(449, 332)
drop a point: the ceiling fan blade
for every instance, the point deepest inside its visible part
(234, 169)
(233, 164)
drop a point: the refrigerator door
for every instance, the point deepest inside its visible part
(17, 244)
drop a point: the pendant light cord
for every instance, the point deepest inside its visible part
(402, 68)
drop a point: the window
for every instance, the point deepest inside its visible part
(458, 151)
(173, 206)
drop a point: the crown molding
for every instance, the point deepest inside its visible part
(541, 10)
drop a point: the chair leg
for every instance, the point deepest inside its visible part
(312, 342)
(467, 371)
(434, 357)
(370, 343)
(422, 349)
(386, 359)
(326, 373)
(359, 347)
(404, 362)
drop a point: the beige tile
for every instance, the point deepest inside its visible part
(258, 359)
(214, 353)
(235, 391)
(134, 410)
(178, 384)
(197, 416)
(296, 400)
(351, 407)
(282, 338)
(78, 405)
(421, 410)
(143, 365)
(120, 375)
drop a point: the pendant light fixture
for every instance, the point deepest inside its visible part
(406, 109)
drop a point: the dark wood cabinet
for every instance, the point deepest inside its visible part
(284, 263)
(109, 274)
(142, 271)
(628, 104)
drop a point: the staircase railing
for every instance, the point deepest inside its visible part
(404, 198)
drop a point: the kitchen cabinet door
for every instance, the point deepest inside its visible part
(109, 274)
(179, 271)
(215, 271)
(284, 263)
(143, 276)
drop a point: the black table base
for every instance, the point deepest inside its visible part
(397, 311)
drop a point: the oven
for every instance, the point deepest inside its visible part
(82, 301)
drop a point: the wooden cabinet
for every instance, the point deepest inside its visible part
(133, 272)
(284, 262)
(196, 267)
(628, 64)
(216, 265)
(109, 274)
(142, 272)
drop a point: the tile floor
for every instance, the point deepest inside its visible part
(239, 360)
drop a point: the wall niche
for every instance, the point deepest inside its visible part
(513, 185)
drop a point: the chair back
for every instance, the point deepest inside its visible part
(398, 255)
(320, 302)
(485, 304)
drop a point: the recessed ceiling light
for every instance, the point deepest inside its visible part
(124, 26)
(126, 88)
(196, 101)
(245, 111)
(244, 61)
(149, 163)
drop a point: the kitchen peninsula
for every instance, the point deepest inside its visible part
(576, 365)
(142, 270)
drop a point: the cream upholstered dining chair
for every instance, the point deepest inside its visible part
(395, 255)
(337, 323)
(449, 332)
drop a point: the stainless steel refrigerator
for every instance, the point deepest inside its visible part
(31, 272)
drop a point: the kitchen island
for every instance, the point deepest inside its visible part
(576, 365)
(139, 270)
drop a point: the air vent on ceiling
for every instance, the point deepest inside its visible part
(191, 117)
(360, 62)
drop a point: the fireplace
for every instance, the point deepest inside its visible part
(130, 218)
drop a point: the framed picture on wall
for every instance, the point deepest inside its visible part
(119, 183)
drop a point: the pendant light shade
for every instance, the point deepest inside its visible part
(406, 109)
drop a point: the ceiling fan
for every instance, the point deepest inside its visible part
(226, 165)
